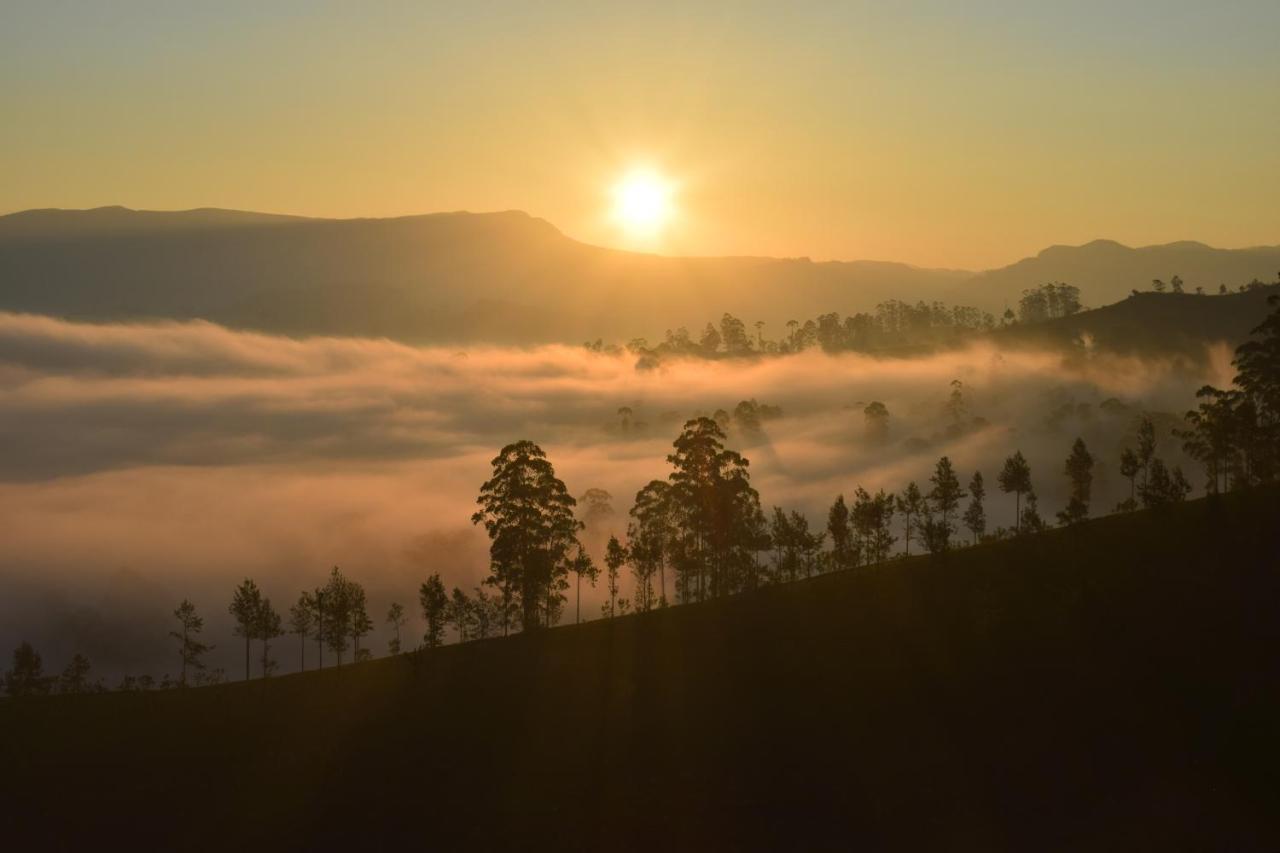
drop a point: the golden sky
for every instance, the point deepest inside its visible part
(913, 132)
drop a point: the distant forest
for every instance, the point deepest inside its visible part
(893, 326)
(701, 533)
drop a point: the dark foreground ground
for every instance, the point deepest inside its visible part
(1111, 687)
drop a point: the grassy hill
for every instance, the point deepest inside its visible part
(1114, 686)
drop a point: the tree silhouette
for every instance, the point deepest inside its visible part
(26, 677)
(1164, 486)
(246, 603)
(395, 618)
(339, 595)
(1015, 477)
(190, 649)
(1030, 521)
(1146, 447)
(844, 553)
(358, 624)
(266, 629)
(650, 532)
(302, 621)
(583, 566)
(876, 416)
(615, 556)
(872, 519)
(1079, 470)
(1258, 364)
(434, 603)
(975, 516)
(1130, 467)
(459, 613)
(944, 499)
(528, 515)
(910, 507)
(75, 677)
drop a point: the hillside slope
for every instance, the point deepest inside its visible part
(1108, 687)
(1153, 324)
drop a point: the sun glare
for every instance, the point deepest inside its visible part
(642, 203)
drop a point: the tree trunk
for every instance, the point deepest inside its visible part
(1017, 512)
(246, 656)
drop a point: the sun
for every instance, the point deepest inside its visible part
(643, 203)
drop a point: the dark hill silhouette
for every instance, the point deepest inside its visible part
(1109, 686)
(499, 277)
(1174, 324)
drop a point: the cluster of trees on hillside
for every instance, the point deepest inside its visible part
(893, 324)
(702, 533)
(1176, 285)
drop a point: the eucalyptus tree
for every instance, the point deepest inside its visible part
(872, 522)
(358, 624)
(615, 557)
(911, 507)
(1015, 477)
(339, 600)
(434, 603)
(975, 515)
(650, 531)
(75, 676)
(944, 499)
(1079, 470)
(245, 608)
(396, 619)
(583, 567)
(190, 649)
(267, 627)
(302, 621)
(844, 554)
(528, 514)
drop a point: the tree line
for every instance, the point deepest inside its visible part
(702, 533)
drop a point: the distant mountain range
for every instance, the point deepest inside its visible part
(498, 277)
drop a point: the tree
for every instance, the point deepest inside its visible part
(302, 621)
(434, 602)
(338, 599)
(1079, 470)
(876, 416)
(75, 677)
(266, 629)
(1258, 378)
(1163, 486)
(528, 515)
(245, 606)
(651, 533)
(395, 618)
(596, 507)
(358, 624)
(190, 649)
(1129, 468)
(583, 566)
(26, 678)
(975, 516)
(710, 340)
(1146, 446)
(910, 507)
(1015, 477)
(944, 499)
(615, 556)
(1030, 521)
(459, 613)
(872, 518)
(844, 553)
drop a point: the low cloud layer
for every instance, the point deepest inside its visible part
(143, 463)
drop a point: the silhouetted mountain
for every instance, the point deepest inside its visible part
(1107, 686)
(500, 277)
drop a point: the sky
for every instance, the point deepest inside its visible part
(940, 134)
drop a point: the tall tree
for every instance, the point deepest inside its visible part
(1079, 470)
(872, 520)
(246, 604)
(75, 677)
(459, 612)
(26, 678)
(712, 504)
(1015, 477)
(975, 516)
(1130, 467)
(528, 515)
(651, 533)
(268, 627)
(910, 507)
(615, 557)
(190, 649)
(1146, 447)
(395, 618)
(583, 566)
(302, 621)
(359, 624)
(434, 602)
(844, 555)
(944, 499)
(596, 508)
(876, 416)
(339, 595)
(1258, 378)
